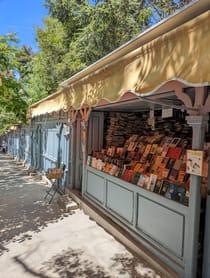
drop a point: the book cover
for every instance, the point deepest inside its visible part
(125, 174)
(174, 152)
(120, 172)
(159, 150)
(164, 162)
(113, 170)
(158, 186)
(157, 162)
(137, 167)
(205, 169)
(131, 175)
(146, 182)
(153, 148)
(94, 162)
(166, 140)
(165, 150)
(141, 180)
(120, 152)
(142, 149)
(175, 141)
(180, 194)
(186, 198)
(181, 175)
(165, 173)
(177, 165)
(164, 187)
(145, 154)
(170, 163)
(149, 157)
(171, 191)
(136, 177)
(173, 175)
(152, 182)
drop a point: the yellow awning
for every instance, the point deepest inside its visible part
(53, 103)
(181, 54)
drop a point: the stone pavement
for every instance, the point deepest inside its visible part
(22, 208)
(40, 240)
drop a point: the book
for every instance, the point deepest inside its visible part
(171, 191)
(141, 180)
(177, 164)
(107, 167)
(205, 169)
(153, 148)
(136, 178)
(113, 170)
(146, 182)
(157, 163)
(164, 187)
(152, 182)
(173, 174)
(186, 197)
(125, 174)
(158, 186)
(159, 150)
(164, 162)
(174, 152)
(170, 163)
(120, 152)
(180, 194)
(165, 173)
(181, 175)
(94, 162)
(166, 140)
(165, 150)
(175, 141)
(145, 154)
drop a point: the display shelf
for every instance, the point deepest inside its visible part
(140, 209)
(156, 163)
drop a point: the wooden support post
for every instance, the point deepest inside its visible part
(72, 123)
(85, 113)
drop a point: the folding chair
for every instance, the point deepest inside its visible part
(55, 175)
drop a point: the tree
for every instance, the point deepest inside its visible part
(77, 33)
(13, 101)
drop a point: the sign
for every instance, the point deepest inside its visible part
(167, 112)
(194, 162)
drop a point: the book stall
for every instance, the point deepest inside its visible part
(139, 152)
(141, 177)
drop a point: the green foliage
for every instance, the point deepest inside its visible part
(13, 102)
(47, 66)
(77, 33)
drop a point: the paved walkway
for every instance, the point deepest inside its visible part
(40, 240)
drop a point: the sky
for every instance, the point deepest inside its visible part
(22, 17)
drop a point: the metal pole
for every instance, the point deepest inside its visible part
(198, 124)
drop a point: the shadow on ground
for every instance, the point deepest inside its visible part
(22, 205)
(74, 263)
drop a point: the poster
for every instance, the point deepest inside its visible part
(194, 162)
